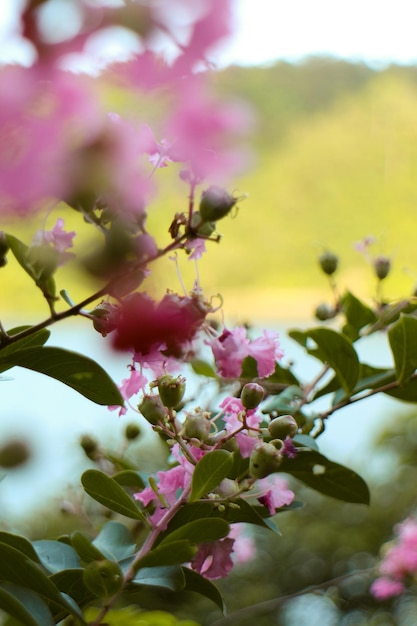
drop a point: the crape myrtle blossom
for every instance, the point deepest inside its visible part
(399, 562)
(235, 418)
(275, 492)
(233, 346)
(57, 238)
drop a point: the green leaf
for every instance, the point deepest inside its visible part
(129, 478)
(55, 555)
(357, 315)
(166, 577)
(202, 368)
(335, 350)
(21, 253)
(281, 375)
(196, 582)
(403, 342)
(327, 477)
(109, 493)
(209, 472)
(406, 393)
(249, 368)
(115, 541)
(19, 543)
(75, 370)
(17, 568)
(171, 553)
(24, 605)
(198, 531)
(285, 402)
(71, 582)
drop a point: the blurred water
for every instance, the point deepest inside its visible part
(51, 417)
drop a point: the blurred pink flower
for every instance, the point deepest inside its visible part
(244, 548)
(57, 238)
(213, 559)
(275, 493)
(384, 588)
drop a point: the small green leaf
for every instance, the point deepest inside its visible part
(357, 315)
(198, 531)
(19, 543)
(171, 553)
(209, 472)
(24, 605)
(335, 350)
(403, 342)
(109, 493)
(202, 368)
(70, 581)
(55, 555)
(115, 541)
(166, 577)
(75, 370)
(129, 478)
(196, 582)
(327, 477)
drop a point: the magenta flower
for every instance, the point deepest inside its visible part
(168, 326)
(384, 588)
(57, 238)
(246, 438)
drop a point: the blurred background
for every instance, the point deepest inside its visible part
(333, 158)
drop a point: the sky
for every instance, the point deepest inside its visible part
(374, 31)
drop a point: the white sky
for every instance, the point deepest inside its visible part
(375, 31)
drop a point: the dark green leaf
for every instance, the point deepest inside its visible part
(24, 605)
(21, 253)
(55, 555)
(334, 350)
(129, 478)
(115, 541)
(19, 543)
(281, 375)
(109, 493)
(17, 568)
(249, 368)
(327, 477)
(357, 315)
(196, 582)
(198, 531)
(403, 342)
(71, 582)
(75, 370)
(285, 402)
(406, 393)
(171, 553)
(166, 577)
(209, 472)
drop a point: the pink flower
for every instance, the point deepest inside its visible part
(213, 559)
(233, 418)
(168, 326)
(384, 588)
(56, 238)
(232, 347)
(244, 548)
(275, 493)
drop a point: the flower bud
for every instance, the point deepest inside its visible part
(90, 446)
(4, 245)
(103, 578)
(382, 266)
(197, 425)
(14, 453)
(171, 390)
(265, 459)
(104, 318)
(152, 409)
(282, 427)
(202, 229)
(215, 203)
(132, 432)
(324, 312)
(328, 262)
(252, 395)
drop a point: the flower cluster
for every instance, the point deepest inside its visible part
(399, 562)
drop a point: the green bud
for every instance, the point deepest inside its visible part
(227, 488)
(197, 425)
(90, 446)
(328, 262)
(152, 409)
(252, 395)
(103, 578)
(324, 312)
(204, 229)
(14, 453)
(171, 390)
(132, 432)
(382, 266)
(215, 203)
(282, 427)
(265, 459)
